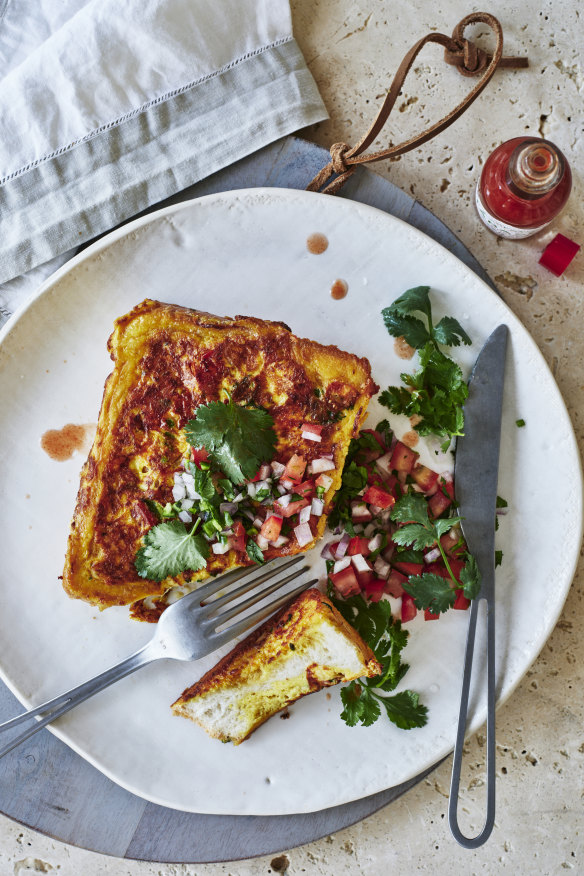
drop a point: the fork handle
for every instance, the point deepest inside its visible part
(56, 707)
(482, 837)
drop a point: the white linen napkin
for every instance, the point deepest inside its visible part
(108, 107)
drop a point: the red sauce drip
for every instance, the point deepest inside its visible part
(61, 444)
(316, 243)
(339, 289)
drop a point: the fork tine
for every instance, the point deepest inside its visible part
(257, 596)
(261, 614)
(268, 575)
(221, 581)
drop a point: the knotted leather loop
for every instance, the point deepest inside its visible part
(469, 61)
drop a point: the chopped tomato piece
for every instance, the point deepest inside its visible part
(374, 589)
(442, 498)
(364, 578)
(408, 608)
(358, 545)
(345, 582)
(239, 536)
(377, 496)
(291, 508)
(333, 547)
(403, 458)
(461, 602)
(394, 584)
(428, 615)
(409, 568)
(360, 513)
(199, 455)
(271, 528)
(295, 468)
(306, 489)
(438, 568)
(424, 477)
(449, 542)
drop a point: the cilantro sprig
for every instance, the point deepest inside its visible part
(237, 438)
(364, 699)
(170, 548)
(418, 531)
(436, 392)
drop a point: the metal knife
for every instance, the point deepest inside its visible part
(476, 469)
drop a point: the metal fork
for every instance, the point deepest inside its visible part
(190, 628)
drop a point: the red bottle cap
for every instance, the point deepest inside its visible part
(558, 254)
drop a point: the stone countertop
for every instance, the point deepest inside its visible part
(352, 49)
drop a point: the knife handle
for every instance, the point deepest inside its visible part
(482, 837)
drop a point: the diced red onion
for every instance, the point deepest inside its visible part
(325, 482)
(360, 511)
(303, 534)
(384, 463)
(178, 477)
(282, 490)
(284, 500)
(321, 464)
(228, 507)
(375, 509)
(317, 507)
(186, 504)
(327, 455)
(257, 521)
(369, 530)
(432, 555)
(184, 516)
(239, 498)
(265, 471)
(278, 469)
(262, 485)
(326, 552)
(280, 541)
(251, 490)
(219, 548)
(286, 482)
(381, 567)
(179, 491)
(311, 436)
(375, 542)
(304, 515)
(192, 493)
(360, 563)
(341, 564)
(342, 546)
(262, 542)
(187, 479)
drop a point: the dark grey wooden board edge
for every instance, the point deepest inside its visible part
(46, 786)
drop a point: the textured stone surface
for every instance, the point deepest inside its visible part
(352, 49)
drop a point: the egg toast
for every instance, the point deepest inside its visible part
(303, 648)
(139, 481)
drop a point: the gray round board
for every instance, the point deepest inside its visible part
(46, 786)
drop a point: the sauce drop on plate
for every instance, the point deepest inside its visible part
(339, 289)
(61, 444)
(316, 243)
(403, 349)
(410, 439)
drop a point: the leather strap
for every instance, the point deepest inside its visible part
(468, 59)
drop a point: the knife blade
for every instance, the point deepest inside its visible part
(476, 469)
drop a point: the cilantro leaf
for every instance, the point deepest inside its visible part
(470, 577)
(411, 329)
(204, 485)
(254, 552)
(414, 534)
(430, 591)
(405, 711)
(363, 699)
(411, 508)
(168, 549)
(238, 439)
(450, 333)
(413, 301)
(437, 390)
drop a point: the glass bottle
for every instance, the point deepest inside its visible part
(524, 184)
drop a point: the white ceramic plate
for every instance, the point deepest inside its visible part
(246, 253)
